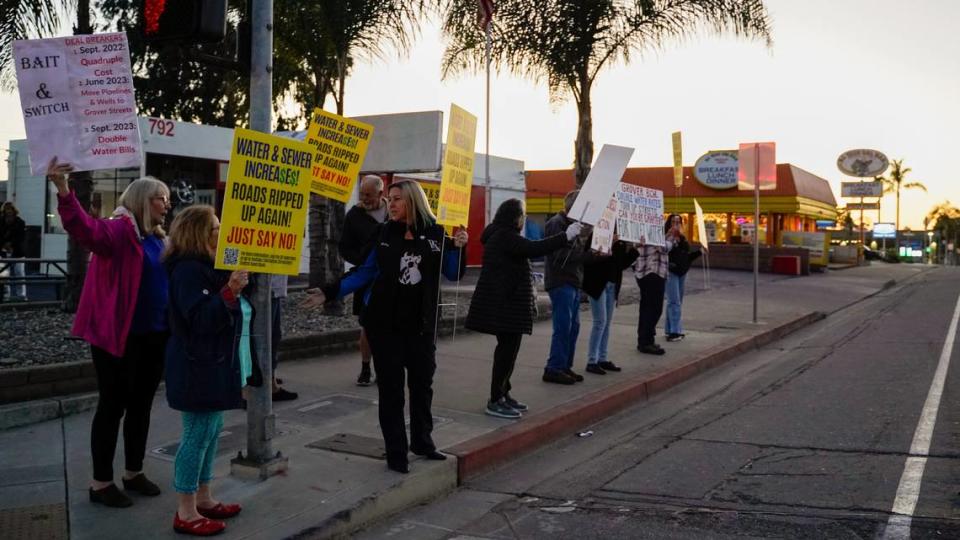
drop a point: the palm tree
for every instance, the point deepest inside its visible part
(318, 45)
(567, 43)
(895, 181)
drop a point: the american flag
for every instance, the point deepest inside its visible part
(485, 13)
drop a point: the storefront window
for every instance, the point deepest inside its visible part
(107, 186)
(715, 225)
(743, 228)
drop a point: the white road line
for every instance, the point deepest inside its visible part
(898, 526)
(315, 406)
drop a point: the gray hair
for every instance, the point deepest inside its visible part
(136, 199)
(368, 179)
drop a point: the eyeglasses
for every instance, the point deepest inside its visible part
(166, 200)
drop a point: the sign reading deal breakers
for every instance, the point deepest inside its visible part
(76, 94)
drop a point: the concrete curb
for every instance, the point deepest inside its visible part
(41, 410)
(485, 452)
(412, 489)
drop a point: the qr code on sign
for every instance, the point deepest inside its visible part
(231, 256)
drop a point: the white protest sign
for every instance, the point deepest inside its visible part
(701, 227)
(603, 230)
(600, 183)
(76, 94)
(640, 214)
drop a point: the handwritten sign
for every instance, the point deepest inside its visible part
(457, 178)
(603, 230)
(339, 147)
(76, 95)
(640, 214)
(265, 204)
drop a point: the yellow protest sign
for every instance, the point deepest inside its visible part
(432, 190)
(265, 204)
(339, 147)
(677, 160)
(457, 178)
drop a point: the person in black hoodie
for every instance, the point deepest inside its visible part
(680, 259)
(402, 277)
(208, 360)
(12, 234)
(602, 279)
(504, 303)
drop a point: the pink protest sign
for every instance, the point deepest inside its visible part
(757, 160)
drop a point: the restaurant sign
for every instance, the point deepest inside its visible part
(717, 169)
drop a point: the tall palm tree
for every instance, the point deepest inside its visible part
(895, 180)
(319, 42)
(567, 43)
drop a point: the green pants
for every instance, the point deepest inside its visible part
(198, 449)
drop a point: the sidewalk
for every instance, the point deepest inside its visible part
(45, 468)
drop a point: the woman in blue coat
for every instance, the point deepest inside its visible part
(207, 362)
(402, 279)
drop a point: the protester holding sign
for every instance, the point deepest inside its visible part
(680, 258)
(650, 271)
(504, 303)
(122, 315)
(602, 279)
(400, 315)
(207, 363)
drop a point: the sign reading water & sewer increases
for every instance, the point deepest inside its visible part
(339, 147)
(640, 214)
(265, 204)
(76, 94)
(457, 178)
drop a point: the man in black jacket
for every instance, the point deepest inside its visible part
(12, 235)
(359, 233)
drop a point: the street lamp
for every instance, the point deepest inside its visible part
(930, 247)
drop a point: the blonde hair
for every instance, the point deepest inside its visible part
(190, 232)
(136, 199)
(418, 207)
(10, 205)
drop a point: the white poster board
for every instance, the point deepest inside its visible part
(76, 95)
(603, 230)
(640, 215)
(701, 227)
(600, 183)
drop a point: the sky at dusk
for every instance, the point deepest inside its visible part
(841, 74)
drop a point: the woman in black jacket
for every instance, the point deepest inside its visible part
(602, 278)
(12, 234)
(402, 280)
(680, 258)
(504, 302)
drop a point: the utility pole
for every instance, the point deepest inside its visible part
(261, 461)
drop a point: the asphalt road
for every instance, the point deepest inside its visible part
(807, 438)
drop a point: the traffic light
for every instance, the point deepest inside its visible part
(186, 21)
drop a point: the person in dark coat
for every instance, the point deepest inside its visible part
(12, 236)
(680, 259)
(402, 278)
(504, 302)
(602, 279)
(208, 361)
(360, 228)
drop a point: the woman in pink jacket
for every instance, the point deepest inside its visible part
(123, 316)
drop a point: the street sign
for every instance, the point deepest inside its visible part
(884, 230)
(861, 189)
(757, 162)
(862, 162)
(717, 169)
(863, 206)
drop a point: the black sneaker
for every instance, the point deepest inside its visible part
(501, 410)
(595, 369)
(652, 348)
(282, 394)
(674, 337)
(514, 404)
(110, 496)
(573, 374)
(558, 377)
(609, 366)
(364, 378)
(141, 485)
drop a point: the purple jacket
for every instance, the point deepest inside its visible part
(109, 295)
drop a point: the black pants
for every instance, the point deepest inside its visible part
(126, 386)
(504, 359)
(396, 355)
(651, 307)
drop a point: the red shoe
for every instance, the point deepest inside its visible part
(220, 511)
(198, 527)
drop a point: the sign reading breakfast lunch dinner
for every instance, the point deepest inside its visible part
(76, 94)
(717, 169)
(340, 144)
(265, 204)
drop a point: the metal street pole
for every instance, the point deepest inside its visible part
(756, 229)
(487, 196)
(260, 460)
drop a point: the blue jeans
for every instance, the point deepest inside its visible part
(602, 310)
(674, 302)
(565, 300)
